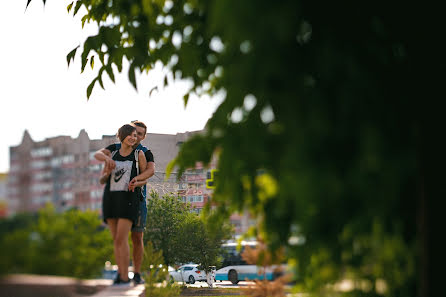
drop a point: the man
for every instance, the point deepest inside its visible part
(104, 155)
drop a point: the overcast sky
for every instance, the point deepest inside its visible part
(41, 94)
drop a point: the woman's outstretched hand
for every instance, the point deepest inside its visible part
(132, 184)
(109, 164)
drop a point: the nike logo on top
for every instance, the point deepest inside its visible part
(119, 174)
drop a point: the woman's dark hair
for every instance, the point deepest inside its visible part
(125, 131)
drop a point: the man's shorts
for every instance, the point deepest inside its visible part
(140, 224)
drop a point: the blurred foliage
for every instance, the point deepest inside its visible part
(183, 236)
(263, 258)
(72, 243)
(202, 241)
(165, 216)
(156, 272)
(336, 105)
(13, 230)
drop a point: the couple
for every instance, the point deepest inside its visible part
(122, 209)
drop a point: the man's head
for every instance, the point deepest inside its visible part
(141, 130)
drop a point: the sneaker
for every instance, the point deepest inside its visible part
(123, 283)
(117, 279)
(137, 279)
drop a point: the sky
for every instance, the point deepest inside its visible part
(41, 94)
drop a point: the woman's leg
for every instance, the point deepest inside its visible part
(123, 249)
(113, 225)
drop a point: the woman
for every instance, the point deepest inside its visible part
(120, 202)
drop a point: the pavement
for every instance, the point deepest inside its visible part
(120, 291)
(24, 285)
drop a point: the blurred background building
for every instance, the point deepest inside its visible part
(63, 171)
(3, 194)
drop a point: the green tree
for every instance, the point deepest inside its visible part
(337, 104)
(15, 240)
(202, 241)
(165, 217)
(181, 235)
(72, 243)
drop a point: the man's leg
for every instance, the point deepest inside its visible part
(138, 243)
(138, 250)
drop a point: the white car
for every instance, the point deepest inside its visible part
(189, 273)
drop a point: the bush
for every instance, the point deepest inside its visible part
(72, 243)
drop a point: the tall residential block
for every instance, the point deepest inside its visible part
(63, 171)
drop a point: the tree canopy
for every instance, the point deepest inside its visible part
(330, 125)
(183, 236)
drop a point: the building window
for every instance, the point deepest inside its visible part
(14, 168)
(195, 198)
(41, 199)
(96, 194)
(41, 187)
(67, 196)
(95, 167)
(67, 159)
(38, 164)
(42, 175)
(182, 186)
(41, 152)
(196, 210)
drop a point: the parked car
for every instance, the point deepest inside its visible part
(189, 273)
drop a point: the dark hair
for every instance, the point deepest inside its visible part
(140, 124)
(125, 131)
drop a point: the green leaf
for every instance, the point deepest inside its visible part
(132, 76)
(165, 81)
(100, 77)
(100, 82)
(92, 62)
(90, 88)
(84, 18)
(186, 99)
(101, 57)
(109, 70)
(76, 9)
(170, 167)
(69, 7)
(71, 55)
(84, 63)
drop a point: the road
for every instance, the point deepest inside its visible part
(218, 284)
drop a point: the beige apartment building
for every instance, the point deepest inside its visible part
(62, 170)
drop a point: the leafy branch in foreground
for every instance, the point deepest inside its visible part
(329, 127)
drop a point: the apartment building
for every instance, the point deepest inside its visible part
(62, 170)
